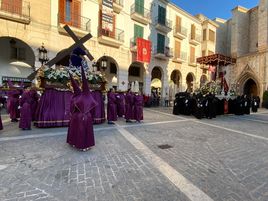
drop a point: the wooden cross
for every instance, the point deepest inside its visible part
(60, 56)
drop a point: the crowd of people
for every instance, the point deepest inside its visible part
(209, 106)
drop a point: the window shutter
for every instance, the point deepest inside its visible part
(204, 34)
(62, 11)
(193, 31)
(211, 35)
(160, 43)
(138, 31)
(178, 24)
(161, 15)
(177, 49)
(76, 13)
(12, 6)
(139, 6)
(192, 54)
(17, 5)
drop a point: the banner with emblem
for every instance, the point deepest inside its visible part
(143, 50)
(107, 15)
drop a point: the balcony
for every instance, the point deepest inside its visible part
(180, 32)
(79, 24)
(162, 25)
(192, 61)
(180, 57)
(118, 6)
(163, 53)
(114, 38)
(195, 39)
(15, 12)
(140, 14)
(133, 45)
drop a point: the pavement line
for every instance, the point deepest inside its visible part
(3, 139)
(3, 167)
(183, 184)
(248, 119)
(234, 131)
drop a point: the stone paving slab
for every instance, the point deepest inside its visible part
(224, 165)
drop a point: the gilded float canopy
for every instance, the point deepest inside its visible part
(216, 60)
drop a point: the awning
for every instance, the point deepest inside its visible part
(216, 60)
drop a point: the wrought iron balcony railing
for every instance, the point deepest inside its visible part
(167, 51)
(117, 34)
(180, 29)
(119, 2)
(164, 22)
(196, 37)
(75, 20)
(140, 10)
(12, 10)
(180, 55)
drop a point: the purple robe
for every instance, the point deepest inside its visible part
(1, 125)
(80, 131)
(34, 103)
(138, 107)
(13, 104)
(129, 106)
(25, 111)
(111, 107)
(120, 102)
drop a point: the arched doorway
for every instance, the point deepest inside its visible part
(175, 84)
(17, 60)
(203, 80)
(156, 81)
(136, 73)
(110, 72)
(250, 88)
(190, 82)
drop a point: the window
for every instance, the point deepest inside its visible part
(139, 6)
(17, 54)
(177, 49)
(134, 71)
(160, 43)
(138, 32)
(211, 36)
(12, 6)
(192, 55)
(204, 34)
(70, 12)
(203, 53)
(193, 29)
(161, 15)
(113, 69)
(178, 24)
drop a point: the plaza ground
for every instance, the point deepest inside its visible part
(165, 158)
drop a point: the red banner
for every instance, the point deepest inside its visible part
(143, 50)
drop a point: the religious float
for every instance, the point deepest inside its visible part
(54, 81)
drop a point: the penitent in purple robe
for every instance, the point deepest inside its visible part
(120, 102)
(34, 103)
(111, 107)
(99, 111)
(1, 125)
(129, 106)
(13, 104)
(138, 107)
(25, 110)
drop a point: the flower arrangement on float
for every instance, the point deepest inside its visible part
(210, 87)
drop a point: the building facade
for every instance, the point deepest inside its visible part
(245, 37)
(177, 38)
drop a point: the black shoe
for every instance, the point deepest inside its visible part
(128, 121)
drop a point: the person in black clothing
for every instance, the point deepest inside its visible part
(254, 104)
(246, 104)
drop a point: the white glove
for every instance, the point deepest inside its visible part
(19, 107)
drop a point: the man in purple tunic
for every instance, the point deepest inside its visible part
(25, 110)
(80, 131)
(138, 107)
(34, 102)
(111, 107)
(129, 106)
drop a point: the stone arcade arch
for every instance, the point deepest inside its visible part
(190, 79)
(136, 72)
(175, 84)
(17, 59)
(250, 88)
(111, 72)
(157, 79)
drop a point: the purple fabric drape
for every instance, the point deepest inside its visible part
(53, 109)
(98, 113)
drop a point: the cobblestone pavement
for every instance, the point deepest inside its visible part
(224, 159)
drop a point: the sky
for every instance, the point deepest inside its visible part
(213, 8)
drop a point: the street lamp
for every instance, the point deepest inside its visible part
(104, 63)
(94, 66)
(42, 54)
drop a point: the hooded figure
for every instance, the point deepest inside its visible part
(138, 104)
(25, 111)
(13, 103)
(80, 132)
(1, 125)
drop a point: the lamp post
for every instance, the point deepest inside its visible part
(104, 63)
(42, 54)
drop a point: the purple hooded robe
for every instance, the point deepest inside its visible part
(138, 107)
(120, 102)
(111, 107)
(25, 110)
(129, 106)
